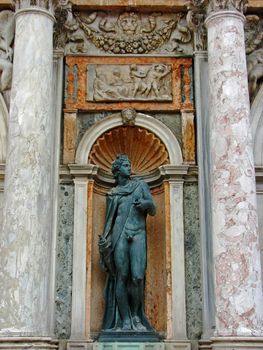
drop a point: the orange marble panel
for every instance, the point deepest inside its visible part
(188, 134)
(155, 289)
(77, 81)
(98, 277)
(70, 121)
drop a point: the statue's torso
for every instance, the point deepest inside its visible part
(135, 222)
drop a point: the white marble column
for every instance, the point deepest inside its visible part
(237, 272)
(26, 240)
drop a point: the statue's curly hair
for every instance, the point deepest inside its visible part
(116, 164)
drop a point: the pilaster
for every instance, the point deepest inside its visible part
(173, 175)
(79, 315)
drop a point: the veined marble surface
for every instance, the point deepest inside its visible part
(26, 238)
(238, 289)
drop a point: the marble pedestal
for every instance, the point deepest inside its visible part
(20, 343)
(166, 345)
(231, 343)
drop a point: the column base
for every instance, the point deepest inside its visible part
(166, 345)
(7, 343)
(232, 343)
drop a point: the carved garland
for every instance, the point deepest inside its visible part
(123, 33)
(140, 44)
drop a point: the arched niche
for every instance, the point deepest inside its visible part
(257, 127)
(257, 136)
(3, 129)
(142, 120)
(166, 243)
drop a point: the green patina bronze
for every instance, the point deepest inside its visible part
(122, 249)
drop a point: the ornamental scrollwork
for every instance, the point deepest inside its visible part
(195, 20)
(198, 10)
(7, 32)
(230, 5)
(120, 33)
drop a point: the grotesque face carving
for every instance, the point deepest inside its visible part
(129, 23)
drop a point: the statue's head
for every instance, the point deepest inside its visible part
(118, 163)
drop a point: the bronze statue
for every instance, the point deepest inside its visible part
(123, 250)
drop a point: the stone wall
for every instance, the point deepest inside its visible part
(64, 261)
(192, 261)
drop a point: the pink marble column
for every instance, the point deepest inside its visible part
(237, 271)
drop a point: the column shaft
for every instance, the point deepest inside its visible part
(238, 289)
(25, 249)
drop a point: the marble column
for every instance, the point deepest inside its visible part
(237, 271)
(26, 240)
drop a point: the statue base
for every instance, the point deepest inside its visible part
(129, 346)
(128, 336)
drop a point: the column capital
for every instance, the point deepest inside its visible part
(209, 6)
(199, 10)
(47, 5)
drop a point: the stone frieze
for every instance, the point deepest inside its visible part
(121, 32)
(135, 82)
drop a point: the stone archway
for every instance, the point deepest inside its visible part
(257, 127)
(257, 136)
(142, 120)
(170, 169)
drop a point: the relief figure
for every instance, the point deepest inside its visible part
(133, 82)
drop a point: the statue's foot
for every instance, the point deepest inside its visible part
(138, 325)
(126, 325)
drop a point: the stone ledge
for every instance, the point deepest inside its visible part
(236, 343)
(7, 343)
(169, 345)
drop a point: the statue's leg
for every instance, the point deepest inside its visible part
(121, 259)
(138, 266)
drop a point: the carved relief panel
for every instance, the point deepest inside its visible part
(129, 82)
(142, 83)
